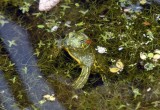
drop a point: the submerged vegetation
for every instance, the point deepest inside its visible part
(126, 73)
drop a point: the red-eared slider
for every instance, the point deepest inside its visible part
(79, 49)
(77, 44)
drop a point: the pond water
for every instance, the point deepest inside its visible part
(122, 35)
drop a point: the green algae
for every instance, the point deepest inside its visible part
(133, 88)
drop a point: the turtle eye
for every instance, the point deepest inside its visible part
(81, 41)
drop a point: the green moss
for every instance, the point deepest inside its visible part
(112, 31)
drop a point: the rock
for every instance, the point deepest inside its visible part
(46, 5)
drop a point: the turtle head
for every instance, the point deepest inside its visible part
(76, 40)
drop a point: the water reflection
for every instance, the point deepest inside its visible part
(20, 51)
(157, 1)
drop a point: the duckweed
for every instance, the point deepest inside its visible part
(113, 24)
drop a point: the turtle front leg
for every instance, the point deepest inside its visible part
(82, 79)
(86, 62)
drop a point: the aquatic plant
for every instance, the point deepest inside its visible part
(129, 35)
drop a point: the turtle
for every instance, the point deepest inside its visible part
(78, 47)
(77, 44)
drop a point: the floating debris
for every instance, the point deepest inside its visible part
(101, 49)
(46, 5)
(118, 67)
(142, 2)
(150, 55)
(157, 51)
(157, 17)
(75, 96)
(150, 34)
(68, 24)
(156, 57)
(49, 97)
(143, 56)
(149, 66)
(3, 22)
(54, 28)
(149, 89)
(133, 8)
(129, 7)
(12, 43)
(146, 23)
(120, 48)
